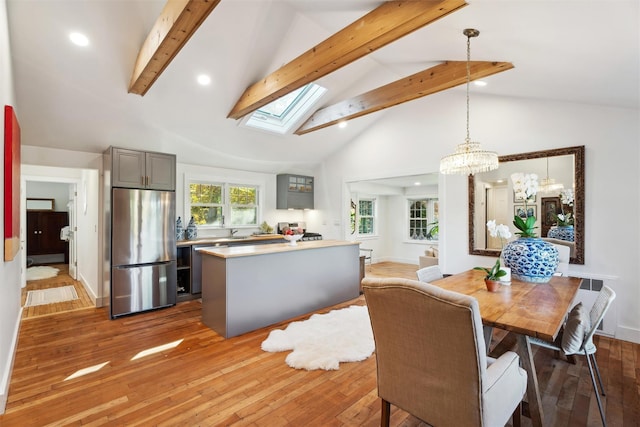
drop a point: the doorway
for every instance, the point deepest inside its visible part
(79, 195)
(50, 224)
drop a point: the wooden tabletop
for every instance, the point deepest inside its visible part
(533, 309)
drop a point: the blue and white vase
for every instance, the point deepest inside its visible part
(192, 230)
(531, 259)
(562, 232)
(179, 229)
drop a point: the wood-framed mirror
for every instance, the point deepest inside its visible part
(491, 197)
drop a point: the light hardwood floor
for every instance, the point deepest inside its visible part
(62, 279)
(209, 381)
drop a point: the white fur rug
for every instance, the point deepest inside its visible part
(41, 272)
(325, 340)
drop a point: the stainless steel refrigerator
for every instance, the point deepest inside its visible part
(143, 250)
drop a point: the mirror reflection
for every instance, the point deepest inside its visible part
(558, 205)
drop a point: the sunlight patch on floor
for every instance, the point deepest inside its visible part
(86, 371)
(157, 349)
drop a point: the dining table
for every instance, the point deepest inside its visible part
(527, 309)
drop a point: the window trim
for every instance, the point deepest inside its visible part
(226, 182)
(408, 218)
(299, 109)
(374, 216)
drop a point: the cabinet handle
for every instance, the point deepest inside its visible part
(147, 181)
(141, 180)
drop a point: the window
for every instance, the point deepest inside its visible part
(281, 115)
(210, 203)
(243, 203)
(423, 219)
(206, 203)
(366, 216)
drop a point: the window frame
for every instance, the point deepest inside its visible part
(432, 209)
(226, 200)
(373, 216)
(231, 205)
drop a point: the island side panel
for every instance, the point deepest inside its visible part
(214, 293)
(265, 289)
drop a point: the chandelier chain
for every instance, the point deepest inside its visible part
(469, 157)
(468, 139)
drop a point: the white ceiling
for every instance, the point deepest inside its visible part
(76, 98)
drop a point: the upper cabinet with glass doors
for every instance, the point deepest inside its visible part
(294, 192)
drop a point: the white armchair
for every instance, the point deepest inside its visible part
(429, 258)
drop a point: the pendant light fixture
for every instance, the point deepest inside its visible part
(469, 158)
(548, 185)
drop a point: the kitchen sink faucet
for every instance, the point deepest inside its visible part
(232, 231)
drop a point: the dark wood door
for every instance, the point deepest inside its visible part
(43, 232)
(550, 207)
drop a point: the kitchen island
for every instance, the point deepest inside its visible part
(248, 287)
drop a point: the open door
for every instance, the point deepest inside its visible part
(71, 207)
(497, 209)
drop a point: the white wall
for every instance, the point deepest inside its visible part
(267, 197)
(413, 137)
(50, 190)
(10, 310)
(88, 236)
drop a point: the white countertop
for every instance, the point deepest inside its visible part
(251, 250)
(236, 239)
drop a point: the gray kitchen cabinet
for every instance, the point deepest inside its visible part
(294, 191)
(184, 271)
(140, 169)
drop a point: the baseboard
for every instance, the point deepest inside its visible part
(103, 302)
(6, 379)
(89, 291)
(628, 334)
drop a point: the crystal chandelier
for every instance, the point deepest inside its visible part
(469, 157)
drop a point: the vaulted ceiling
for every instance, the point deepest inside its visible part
(78, 98)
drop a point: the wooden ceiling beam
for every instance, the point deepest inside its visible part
(435, 79)
(176, 24)
(385, 24)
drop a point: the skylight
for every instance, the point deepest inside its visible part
(282, 114)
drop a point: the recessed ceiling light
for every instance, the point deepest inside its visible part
(204, 80)
(480, 83)
(342, 124)
(416, 183)
(79, 39)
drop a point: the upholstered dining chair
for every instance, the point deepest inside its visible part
(431, 357)
(576, 336)
(564, 254)
(429, 274)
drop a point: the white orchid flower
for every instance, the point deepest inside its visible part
(503, 232)
(491, 226)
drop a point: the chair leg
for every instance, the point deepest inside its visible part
(516, 415)
(386, 414)
(595, 365)
(595, 388)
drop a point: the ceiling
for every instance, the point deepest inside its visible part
(76, 98)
